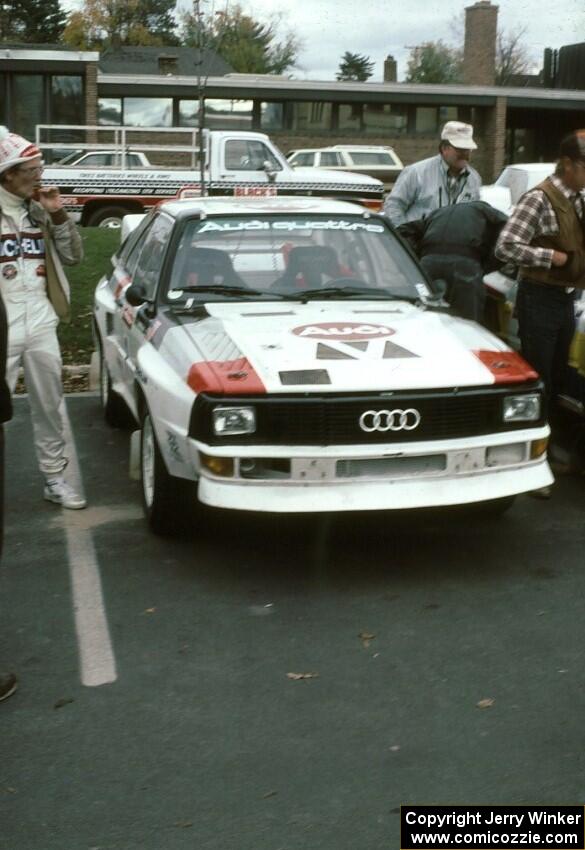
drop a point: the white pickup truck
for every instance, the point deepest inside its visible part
(236, 163)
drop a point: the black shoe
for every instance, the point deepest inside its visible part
(8, 684)
(542, 493)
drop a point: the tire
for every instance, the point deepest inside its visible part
(116, 412)
(108, 217)
(169, 503)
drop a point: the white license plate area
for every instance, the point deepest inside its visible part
(312, 469)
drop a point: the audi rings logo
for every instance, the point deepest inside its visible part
(389, 420)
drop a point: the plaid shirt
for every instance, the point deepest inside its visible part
(533, 216)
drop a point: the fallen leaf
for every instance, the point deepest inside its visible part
(366, 638)
(394, 748)
(269, 794)
(150, 610)
(485, 703)
(297, 676)
(183, 824)
(65, 701)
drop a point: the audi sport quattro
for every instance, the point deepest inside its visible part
(289, 355)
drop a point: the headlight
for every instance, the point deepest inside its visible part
(521, 408)
(233, 420)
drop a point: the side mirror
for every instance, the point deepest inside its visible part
(136, 295)
(271, 172)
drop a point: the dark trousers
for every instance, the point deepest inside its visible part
(546, 324)
(464, 278)
(1, 487)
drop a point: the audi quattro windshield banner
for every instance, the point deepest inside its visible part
(483, 827)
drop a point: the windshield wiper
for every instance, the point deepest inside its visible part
(222, 289)
(365, 292)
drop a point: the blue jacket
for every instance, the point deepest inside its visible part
(422, 187)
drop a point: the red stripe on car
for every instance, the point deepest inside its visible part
(507, 367)
(228, 377)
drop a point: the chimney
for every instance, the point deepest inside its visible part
(167, 64)
(389, 69)
(479, 52)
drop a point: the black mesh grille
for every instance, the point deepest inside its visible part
(334, 419)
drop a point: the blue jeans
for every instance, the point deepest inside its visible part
(546, 324)
(464, 278)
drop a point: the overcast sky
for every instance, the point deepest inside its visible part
(376, 28)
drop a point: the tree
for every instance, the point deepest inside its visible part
(353, 66)
(511, 56)
(32, 21)
(434, 62)
(248, 45)
(103, 23)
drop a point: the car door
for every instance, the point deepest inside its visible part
(243, 161)
(146, 274)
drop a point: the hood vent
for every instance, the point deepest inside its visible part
(304, 376)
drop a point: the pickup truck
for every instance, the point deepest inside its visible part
(236, 163)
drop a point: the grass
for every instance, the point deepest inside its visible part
(99, 245)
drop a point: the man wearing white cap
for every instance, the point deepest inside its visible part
(438, 181)
(36, 237)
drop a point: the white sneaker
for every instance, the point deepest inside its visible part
(57, 490)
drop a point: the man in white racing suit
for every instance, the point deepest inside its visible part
(36, 236)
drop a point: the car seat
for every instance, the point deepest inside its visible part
(306, 267)
(209, 266)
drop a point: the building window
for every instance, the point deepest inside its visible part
(67, 105)
(188, 113)
(448, 113)
(310, 116)
(148, 111)
(110, 111)
(228, 114)
(27, 104)
(3, 117)
(385, 118)
(426, 119)
(271, 116)
(350, 116)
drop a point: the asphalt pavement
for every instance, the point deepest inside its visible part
(438, 659)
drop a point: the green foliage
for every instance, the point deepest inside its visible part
(104, 23)
(247, 44)
(434, 62)
(76, 338)
(354, 66)
(32, 21)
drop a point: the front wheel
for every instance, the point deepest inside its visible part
(168, 501)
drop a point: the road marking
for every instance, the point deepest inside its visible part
(96, 654)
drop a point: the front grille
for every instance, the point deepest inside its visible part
(326, 420)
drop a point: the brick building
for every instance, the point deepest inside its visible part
(149, 87)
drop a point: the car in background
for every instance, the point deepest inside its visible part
(373, 160)
(288, 355)
(107, 159)
(513, 182)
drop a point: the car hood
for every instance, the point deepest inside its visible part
(336, 347)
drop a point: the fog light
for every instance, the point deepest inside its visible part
(221, 466)
(505, 455)
(538, 447)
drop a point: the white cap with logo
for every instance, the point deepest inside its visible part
(14, 150)
(459, 135)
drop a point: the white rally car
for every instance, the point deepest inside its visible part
(289, 355)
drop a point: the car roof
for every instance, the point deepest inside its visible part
(532, 166)
(264, 206)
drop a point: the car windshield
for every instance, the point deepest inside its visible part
(291, 256)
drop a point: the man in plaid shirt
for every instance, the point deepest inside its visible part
(545, 237)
